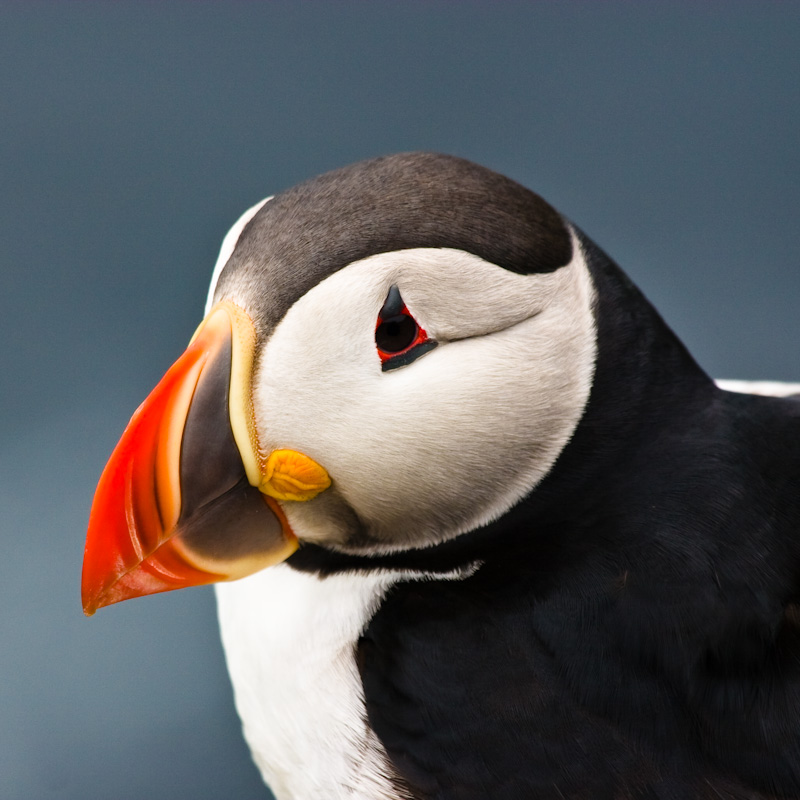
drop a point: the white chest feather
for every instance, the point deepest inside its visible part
(290, 641)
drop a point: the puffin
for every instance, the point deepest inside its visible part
(480, 525)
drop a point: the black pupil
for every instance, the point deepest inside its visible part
(396, 333)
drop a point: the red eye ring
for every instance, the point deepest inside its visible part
(399, 338)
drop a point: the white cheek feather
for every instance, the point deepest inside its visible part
(453, 440)
(228, 246)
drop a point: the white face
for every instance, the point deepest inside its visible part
(424, 452)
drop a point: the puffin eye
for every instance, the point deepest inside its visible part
(398, 336)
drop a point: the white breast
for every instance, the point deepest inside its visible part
(290, 642)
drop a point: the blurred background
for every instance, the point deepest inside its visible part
(132, 136)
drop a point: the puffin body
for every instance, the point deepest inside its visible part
(489, 529)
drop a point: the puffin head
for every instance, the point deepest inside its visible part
(394, 354)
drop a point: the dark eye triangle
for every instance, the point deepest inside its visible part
(394, 304)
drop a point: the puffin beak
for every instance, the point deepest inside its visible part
(186, 497)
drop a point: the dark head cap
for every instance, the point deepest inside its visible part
(391, 203)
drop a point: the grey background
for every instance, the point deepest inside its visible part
(131, 138)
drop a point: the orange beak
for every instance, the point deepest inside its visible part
(178, 503)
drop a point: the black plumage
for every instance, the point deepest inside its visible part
(631, 632)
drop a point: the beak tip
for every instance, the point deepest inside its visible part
(91, 601)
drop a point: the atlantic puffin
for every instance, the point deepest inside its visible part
(481, 525)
